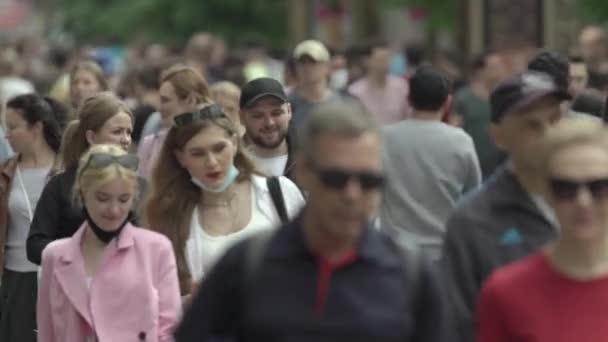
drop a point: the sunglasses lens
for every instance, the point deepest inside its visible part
(128, 161)
(101, 160)
(371, 181)
(599, 188)
(563, 189)
(334, 179)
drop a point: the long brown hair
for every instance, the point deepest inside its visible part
(173, 196)
(93, 114)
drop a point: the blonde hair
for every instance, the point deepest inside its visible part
(569, 132)
(225, 88)
(89, 177)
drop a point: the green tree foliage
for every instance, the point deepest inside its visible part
(123, 20)
(442, 14)
(595, 10)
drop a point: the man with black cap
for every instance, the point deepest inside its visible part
(266, 113)
(506, 219)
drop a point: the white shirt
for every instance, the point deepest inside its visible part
(274, 166)
(203, 250)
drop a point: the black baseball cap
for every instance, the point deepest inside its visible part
(260, 87)
(521, 91)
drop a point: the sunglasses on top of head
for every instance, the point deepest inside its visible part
(335, 178)
(568, 190)
(210, 112)
(101, 160)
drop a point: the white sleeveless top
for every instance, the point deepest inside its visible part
(203, 250)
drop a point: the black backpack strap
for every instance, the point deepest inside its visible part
(274, 186)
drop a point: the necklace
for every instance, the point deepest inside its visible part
(222, 203)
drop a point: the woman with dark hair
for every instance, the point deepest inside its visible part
(34, 125)
(103, 119)
(207, 194)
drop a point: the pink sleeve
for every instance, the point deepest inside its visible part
(490, 318)
(43, 308)
(143, 153)
(170, 304)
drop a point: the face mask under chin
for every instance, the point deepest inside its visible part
(233, 173)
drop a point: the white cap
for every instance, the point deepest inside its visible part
(313, 48)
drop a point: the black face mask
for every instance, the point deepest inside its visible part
(103, 235)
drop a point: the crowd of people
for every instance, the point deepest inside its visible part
(204, 197)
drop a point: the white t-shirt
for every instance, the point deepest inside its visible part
(203, 250)
(274, 166)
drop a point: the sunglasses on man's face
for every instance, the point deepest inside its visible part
(211, 112)
(568, 190)
(338, 179)
(102, 160)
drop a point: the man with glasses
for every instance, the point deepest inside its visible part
(328, 275)
(507, 219)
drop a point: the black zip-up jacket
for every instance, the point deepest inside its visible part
(493, 227)
(55, 216)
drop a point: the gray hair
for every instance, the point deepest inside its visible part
(347, 118)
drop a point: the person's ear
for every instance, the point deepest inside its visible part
(192, 102)
(39, 127)
(446, 107)
(90, 136)
(288, 110)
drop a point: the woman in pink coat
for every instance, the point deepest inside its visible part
(111, 281)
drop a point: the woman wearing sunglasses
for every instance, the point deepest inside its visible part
(33, 128)
(561, 292)
(110, 281)
(103, 119)
(208, 194)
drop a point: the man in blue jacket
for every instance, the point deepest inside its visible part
(506, 219)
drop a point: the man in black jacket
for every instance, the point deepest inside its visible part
(506, 219)
(329, 275)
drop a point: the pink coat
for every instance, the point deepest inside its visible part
(134, 296)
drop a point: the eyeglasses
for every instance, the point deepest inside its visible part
(102, 160)
(338, 179)
(208, 113)
(568, 190)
